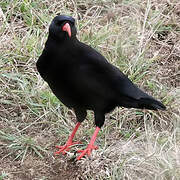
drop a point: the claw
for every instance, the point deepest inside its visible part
(87, 151)
(90, 146)
(63, 149)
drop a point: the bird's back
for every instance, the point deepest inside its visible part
(81, 77)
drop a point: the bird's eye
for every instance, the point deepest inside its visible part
(59, 23)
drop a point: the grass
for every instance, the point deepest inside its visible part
(142, 38)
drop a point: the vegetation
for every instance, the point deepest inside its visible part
(142, 38)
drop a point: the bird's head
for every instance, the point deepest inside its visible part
(62, 27)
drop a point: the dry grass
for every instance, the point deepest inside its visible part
(142, 38)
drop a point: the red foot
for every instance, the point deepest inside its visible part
(87, 151)
(63, 149)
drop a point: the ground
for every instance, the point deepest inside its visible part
(141, 38)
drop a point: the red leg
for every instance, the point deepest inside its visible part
(90, 146)
(69, 142)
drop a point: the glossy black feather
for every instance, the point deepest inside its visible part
(83, 79)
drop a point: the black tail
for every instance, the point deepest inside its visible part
(150, 103)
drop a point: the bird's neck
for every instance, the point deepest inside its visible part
(52, 44)
(63, 41)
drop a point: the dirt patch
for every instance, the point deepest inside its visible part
(34, 168)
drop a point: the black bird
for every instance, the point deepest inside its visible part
(82, 79)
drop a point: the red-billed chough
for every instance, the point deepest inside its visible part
(82, 79)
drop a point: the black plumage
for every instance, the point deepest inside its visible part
(83, 79)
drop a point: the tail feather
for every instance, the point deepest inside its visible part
(150, 103)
